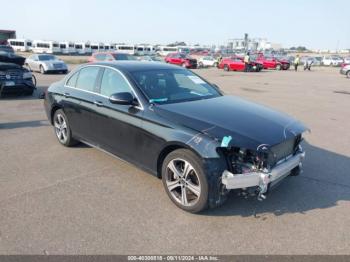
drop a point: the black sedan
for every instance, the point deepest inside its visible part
(177, 126)
(14, 78)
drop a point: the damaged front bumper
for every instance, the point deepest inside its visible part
(262, 179)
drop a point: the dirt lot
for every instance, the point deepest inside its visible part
(57, 200)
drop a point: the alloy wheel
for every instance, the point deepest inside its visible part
(183, 182)
(61, 128)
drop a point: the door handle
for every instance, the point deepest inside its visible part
(66, 95)
(98, 103)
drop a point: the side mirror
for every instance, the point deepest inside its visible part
(123, 98)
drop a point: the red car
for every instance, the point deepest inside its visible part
(270, 62)
(235, 63)
(109, 56)
(181, 59)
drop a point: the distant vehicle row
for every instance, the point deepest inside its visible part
(67, 47)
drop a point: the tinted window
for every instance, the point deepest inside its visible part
(87, 78)
(113, 82)
(72, 80)
(46, 57)
(100, 57)
(123, 57)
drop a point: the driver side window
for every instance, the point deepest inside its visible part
(113, 82)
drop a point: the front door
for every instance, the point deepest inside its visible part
(116, 127)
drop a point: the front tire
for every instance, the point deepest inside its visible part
(278, 67)
(226, 68)
(42, 70)
(62, 129)
(348, 74)
(185, 181)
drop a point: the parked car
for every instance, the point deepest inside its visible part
(270, 62)
(110, 56)
(46, 63)
(14, 78)
(235, 63)
(152, 58)
(207, 61)
(177, 126)
(181, 59)
(6, 48)
(314, 61)
(347, 60)
(345, 70)
(332, 60)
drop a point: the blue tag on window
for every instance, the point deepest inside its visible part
(225, 141)
(157, 100)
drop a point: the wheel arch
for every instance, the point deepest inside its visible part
(167, 149)
(53, 110)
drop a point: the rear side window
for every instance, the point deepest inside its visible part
(72, 80)
(113, 82)
(87, 78)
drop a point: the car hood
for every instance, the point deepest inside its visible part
(249, 125)
(12, 58)
(9, 66)
(51, 62)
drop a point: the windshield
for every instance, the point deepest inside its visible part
(46, 57)
(173, 86)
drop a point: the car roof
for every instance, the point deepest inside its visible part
(132, 66)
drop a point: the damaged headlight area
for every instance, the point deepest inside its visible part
(266, 166)
(242, 161)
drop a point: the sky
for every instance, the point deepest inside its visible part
(317, 24)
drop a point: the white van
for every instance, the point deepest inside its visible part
(109, 47)
(45, 47)
(144, 50)
(23, 45)
(82, 48)
(126, 49)
(67, 47)
(97, 47)
(165, 50)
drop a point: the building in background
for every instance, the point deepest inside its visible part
(6, 34)
(253, 44)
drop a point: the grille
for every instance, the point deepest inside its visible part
(57, 66)
(14, 75)
(281, 151)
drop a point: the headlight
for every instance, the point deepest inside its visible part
(27, 75)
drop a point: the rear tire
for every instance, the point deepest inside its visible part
(62, 129)
(348, 74)
(200, 65)
(185, 181)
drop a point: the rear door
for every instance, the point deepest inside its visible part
(80, 95)
(176, 59)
